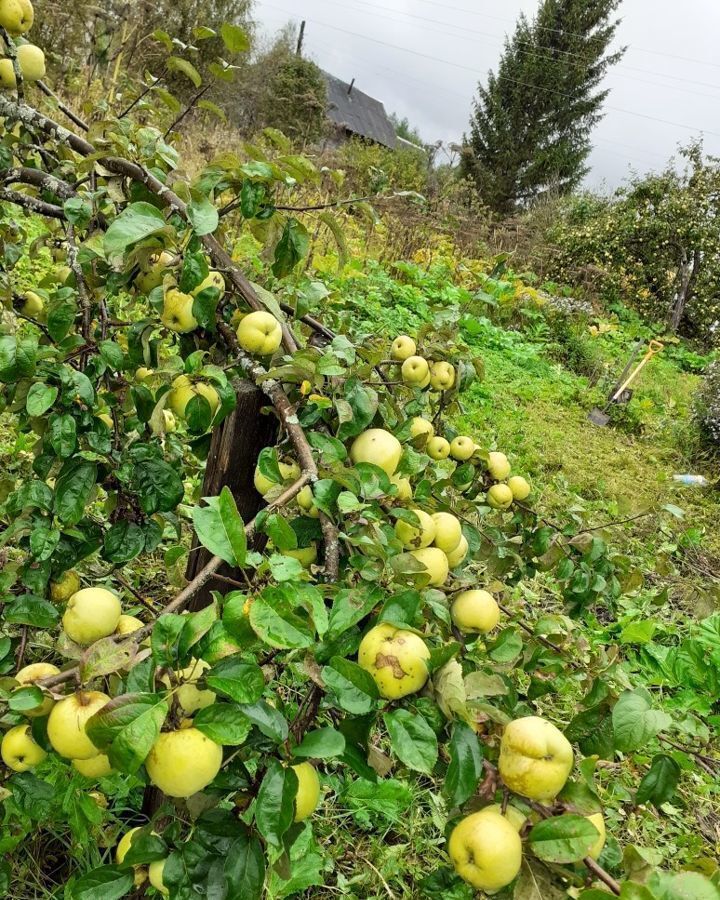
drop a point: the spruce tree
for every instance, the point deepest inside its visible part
(532, 120)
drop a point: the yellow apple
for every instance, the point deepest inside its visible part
(378, 447)
(535, 758)
(65, 586)
(128, 624)
(183, 762)
(396, 659)
(456, 556)
(214, 280)
(152, 271)
(259, 333)
(124, 845)
(33, 305)
(19, 750)
(404, 488)
(143, 373)
(415, 370)
(475, 611)
(462, 448)
(155, 873)
(598, 821)
(16, 16)
(66, 724)
(7, 74)
(416, 536)
(95, 767)
(170, 421)
(436, 563)
(420, 426)
(486, 850)
(29, 675)
(306, 556)
(289, 472)
(32, 62)
(183, 390)
(177, 314)
(403, 348)
(515, 817)
(189, 696)
(498, 465)
(519, 487)
(438, 448)
(306, 502)
(308, 792)
(91, 614)
(442, 376)
(500, 497)
(448, 531)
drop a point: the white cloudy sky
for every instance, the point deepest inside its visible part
(423, 59)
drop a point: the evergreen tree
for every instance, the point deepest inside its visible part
(531, 122)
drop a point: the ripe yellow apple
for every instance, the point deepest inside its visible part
(404, 488)
(475, 611)
(289, 471)
(29, 675)
(33, 305)
(124, 845)
(442, 376)
(66, 724)
(7, 74)
(515, 817)
(32, 62)
(438, 448)
(498, 465)
(155, 873)
(306, 556)
(403, 348)
(189, 696)
(414, 371)
(448, 531)
(416, 536)
(65, 586)
(535, 758)
(128, 624)
(259, 333)
(308, 792)
(456, 556)
(519, 487)
(183, 762)
(396, 659)
(177, 314)
(306, 502)
(95, 767)
(486, 850)
(183, 390)
(500, 497)
(214, 280)
(436, 563)
(152, 271)
(378, 447)
(420, 426)
(462, 448)
(16, 16)
(599, 822)
(91, 614)
(19, 750)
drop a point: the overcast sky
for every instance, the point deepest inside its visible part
(423, 59)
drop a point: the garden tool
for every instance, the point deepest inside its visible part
(622, 394)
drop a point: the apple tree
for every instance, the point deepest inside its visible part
(352, 610)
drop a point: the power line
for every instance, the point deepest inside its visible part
(457, 65)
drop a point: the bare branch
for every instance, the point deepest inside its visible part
(32, 204)
(76, 120)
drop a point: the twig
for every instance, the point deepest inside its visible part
(76, 120)
(13, 57)
(188, 108)
(128, 587)
(21, 647)
(539, 637)
(147, 90)
(85, 306)
(324, 205)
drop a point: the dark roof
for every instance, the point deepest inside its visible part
(358, 112)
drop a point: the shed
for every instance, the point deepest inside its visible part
(357, 113)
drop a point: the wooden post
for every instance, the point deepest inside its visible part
(231, 462)
(301, 37)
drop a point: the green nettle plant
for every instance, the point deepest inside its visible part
(346, 615)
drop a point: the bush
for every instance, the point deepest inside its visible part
(707, 409)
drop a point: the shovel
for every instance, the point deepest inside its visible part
(599, 416)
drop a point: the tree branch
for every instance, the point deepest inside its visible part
(12, 56)
(41, 180)
(32, 204)
(76, 120)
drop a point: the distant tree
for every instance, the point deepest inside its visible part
(404, 129)
(531, 122)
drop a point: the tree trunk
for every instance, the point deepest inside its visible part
(234, 450)
(687, 276)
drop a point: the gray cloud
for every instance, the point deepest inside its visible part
(453, 44)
